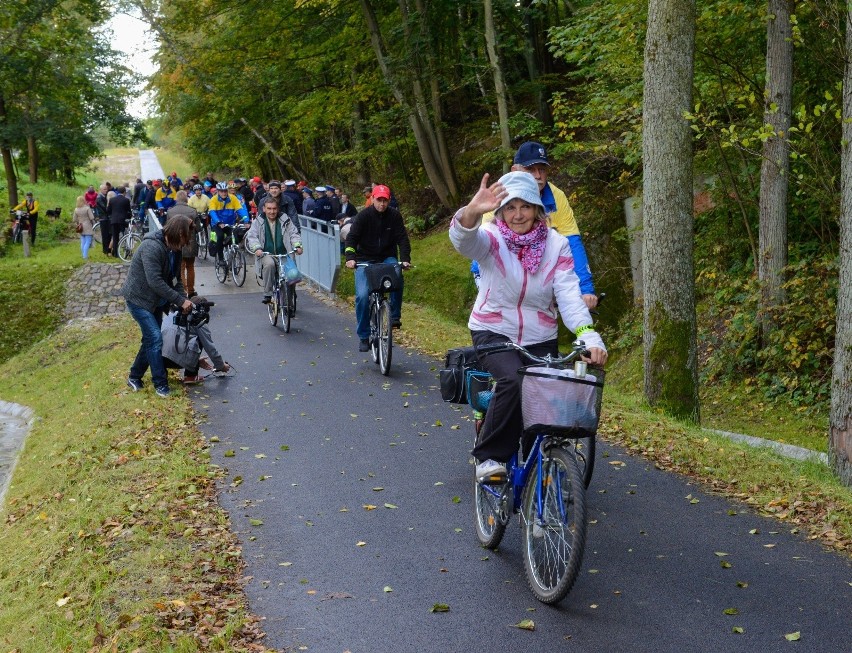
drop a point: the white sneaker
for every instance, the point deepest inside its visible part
(490, 471)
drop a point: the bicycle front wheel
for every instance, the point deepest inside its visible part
(374, 329)
(272, 307)
(221, 270)
(238, 267)
(96, 232)
(16, 234)
(202, 239)
(286, 292)
(554, 539)
(385, 337)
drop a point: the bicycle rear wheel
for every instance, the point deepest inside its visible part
(553, 541)
(286, 291)
(385, 337)
(238, 267)
(374, 329)
(127, 246)
(584, 453)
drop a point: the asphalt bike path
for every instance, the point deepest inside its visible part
(352, 495)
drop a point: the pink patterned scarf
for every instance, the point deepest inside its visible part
(528, 247)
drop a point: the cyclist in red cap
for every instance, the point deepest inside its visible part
(377, 235)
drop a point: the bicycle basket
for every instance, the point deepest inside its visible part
(480, 389)
(556, 401)
(384, 277)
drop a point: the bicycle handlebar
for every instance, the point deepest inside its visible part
(578, 350)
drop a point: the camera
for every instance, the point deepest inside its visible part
(200, 314)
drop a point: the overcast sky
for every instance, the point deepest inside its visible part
(133, 37)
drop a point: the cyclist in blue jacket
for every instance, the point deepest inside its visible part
(224, 208)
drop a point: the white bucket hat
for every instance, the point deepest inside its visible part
(520, 185)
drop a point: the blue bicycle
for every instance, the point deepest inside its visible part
(561, 407)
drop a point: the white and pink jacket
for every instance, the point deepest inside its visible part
(515, 303)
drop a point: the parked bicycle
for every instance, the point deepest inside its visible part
(20, 223)
(131, 239)
(233, 257)
(283, 302)
(546, 480)
(382, 278)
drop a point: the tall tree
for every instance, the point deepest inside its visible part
(670, 361)
(840, 421)
(407, 83)
(499, 83)
(775, 167)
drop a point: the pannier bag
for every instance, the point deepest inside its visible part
(378, 273)
(452, 377)
(556, 400)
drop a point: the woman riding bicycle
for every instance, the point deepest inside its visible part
(526, 271)
(275, 234)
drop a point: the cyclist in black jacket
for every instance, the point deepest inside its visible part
(377, 235)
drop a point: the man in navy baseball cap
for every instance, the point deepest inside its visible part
(531, 157)
(530, 153)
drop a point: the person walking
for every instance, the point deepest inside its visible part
(101, 214)
(153, 283)
(85, 217)
(119, 212)
(190, 250)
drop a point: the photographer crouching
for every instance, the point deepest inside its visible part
(185, 337)
(153, 283)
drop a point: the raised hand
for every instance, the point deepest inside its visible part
(487, 199)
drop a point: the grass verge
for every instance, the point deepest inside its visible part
(112, 538)
(32, 293)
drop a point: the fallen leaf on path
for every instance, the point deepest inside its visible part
(526, 624)
(793, 637)
(440, 607)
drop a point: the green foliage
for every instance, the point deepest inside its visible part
(59, 81)
(795, 361)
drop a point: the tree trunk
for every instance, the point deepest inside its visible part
(536, 57)
(775, 169)
(840, 419)
(671, 370)
(499, 85)
(633, 220)
(33, 156)
(8, 163)
(440, 171)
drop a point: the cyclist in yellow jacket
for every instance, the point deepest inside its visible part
(30, 205)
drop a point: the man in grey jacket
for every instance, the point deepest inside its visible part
(153, 283)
